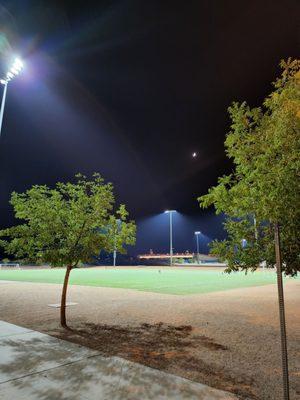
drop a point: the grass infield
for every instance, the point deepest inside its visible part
(159, 280)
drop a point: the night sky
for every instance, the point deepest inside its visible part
(130, 89)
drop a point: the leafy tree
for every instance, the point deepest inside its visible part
(263, 191)
(66, 225)
(119, 232)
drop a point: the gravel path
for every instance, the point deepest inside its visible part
(228, 340)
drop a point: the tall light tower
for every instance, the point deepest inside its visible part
(118, 224)
(14, 71)
(197, 233)
(170, 212)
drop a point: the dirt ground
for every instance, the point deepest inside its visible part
(229, 340)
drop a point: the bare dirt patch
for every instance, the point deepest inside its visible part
(159, 346)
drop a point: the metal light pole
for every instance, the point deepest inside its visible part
(2, 105)
(170, 212)
(197, 233)
(14, 70)
(256, 237)
(255, 228)
(115, 254)
(115, 242)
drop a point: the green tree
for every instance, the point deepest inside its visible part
(66, 225)
(263, 191)
(119, 231)
(262, 195)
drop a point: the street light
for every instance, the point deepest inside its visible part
(170, 212)
(197, 233)
(15, 69)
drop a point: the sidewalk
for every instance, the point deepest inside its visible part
(37, 366)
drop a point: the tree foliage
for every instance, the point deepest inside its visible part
(65, 225)
(264, 187)
(119, 231)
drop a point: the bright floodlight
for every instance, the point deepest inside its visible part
(14, 71)
(17, 66)
(194, 155)
(18, 63)
(198, 233)
(169, 211)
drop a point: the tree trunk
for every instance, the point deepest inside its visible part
(63, 320)
(284, 355)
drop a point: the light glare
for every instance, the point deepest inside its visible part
(14, 71)
(18, 63)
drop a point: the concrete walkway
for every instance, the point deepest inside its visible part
(37, 366)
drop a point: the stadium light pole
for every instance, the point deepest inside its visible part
(114, 253)
(115, 242)
(15, 69)
(197, 233)
(170, 212)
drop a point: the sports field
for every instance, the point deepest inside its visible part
(160, 280)
(228, 339)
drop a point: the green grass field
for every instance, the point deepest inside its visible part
(177, 281)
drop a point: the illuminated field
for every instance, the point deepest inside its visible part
(160, 280)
